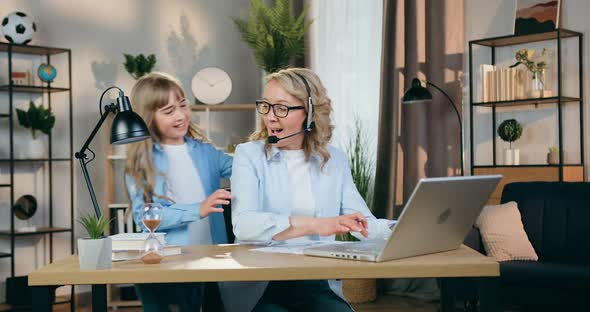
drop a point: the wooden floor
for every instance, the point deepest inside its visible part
(383, 303)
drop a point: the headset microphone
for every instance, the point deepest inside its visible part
(273, 139)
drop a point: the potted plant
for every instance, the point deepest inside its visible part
(362, 168)
(36, 118)
(139, 65)
(95, 251)
(537, 68)
(275, 35)
(509, 131)
(553, 156)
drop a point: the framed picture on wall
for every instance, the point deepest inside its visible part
(536, 16)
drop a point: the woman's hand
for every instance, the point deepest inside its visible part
(355, 222)
(219, 197)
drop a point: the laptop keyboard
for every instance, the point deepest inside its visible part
(362, 247)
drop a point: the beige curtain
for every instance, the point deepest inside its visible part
(424, 39)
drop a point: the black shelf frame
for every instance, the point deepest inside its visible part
(558, 101)
(39, 231)
(23, 160)
(47, 89)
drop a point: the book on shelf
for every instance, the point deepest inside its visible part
(122, 255)
(486, 81)
(133, 241)
(502, 84)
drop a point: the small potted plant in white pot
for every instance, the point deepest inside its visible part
(553, 156)
(509, 131)
(95, 251)
(36, 118)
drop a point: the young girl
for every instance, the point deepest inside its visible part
(181, 171)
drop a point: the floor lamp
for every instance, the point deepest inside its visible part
(417, 93)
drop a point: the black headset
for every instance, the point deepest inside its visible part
(310, 124)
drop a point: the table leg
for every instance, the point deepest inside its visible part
(488, 294)
(99, 298)
(42, 299)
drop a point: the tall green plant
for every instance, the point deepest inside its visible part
(362, 168)
(273, 33)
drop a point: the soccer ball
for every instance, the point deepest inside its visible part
(18, 28)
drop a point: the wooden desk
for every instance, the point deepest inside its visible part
(237, 263)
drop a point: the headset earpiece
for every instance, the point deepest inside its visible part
(309, 120)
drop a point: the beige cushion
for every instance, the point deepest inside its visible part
(503, 234)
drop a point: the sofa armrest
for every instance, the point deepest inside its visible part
(473, 240)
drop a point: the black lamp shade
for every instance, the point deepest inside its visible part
(128, 127)
(416, 93)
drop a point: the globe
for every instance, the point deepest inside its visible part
(46, 72)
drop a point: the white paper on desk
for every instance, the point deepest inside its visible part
(295, 248)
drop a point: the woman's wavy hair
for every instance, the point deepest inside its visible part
(318, 139)
(150, 93)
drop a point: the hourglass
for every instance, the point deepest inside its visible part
(153, 250)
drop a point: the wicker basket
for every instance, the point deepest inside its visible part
(360, 290)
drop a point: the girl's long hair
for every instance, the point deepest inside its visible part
(150, 93)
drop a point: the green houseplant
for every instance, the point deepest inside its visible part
(36, 118)
(275, 35)
(362, 168)
(96, 250)
(509, 131)
(139, 65)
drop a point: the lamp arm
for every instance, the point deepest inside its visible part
(81, 155)
(448, 98)
(428, 83)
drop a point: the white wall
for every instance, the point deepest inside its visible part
(485, 19)
(346, 53)
(185, 35)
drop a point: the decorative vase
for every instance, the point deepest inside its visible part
(553, 158)
(37, 148)
(516, 156)
(95, 254)
(511, 156)
(538, 84)
(359, 290)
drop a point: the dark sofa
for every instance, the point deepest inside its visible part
(556, 218)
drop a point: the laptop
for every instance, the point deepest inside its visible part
(436, 218)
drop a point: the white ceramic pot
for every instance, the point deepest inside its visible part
(95, 254)
(516, 156)
(511, 157)
(553, 158)
(508, 160)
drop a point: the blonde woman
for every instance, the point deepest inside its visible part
(289, 184)
(180, 170)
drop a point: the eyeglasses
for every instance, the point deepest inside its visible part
(280, 110)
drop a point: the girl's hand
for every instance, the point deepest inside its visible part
(208, 206)
(355, 222)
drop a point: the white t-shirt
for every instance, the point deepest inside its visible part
(185, 187)
(300, 185)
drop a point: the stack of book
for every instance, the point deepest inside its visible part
(128, 246)
(502, 84)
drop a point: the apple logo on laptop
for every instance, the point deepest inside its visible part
(442, 218)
